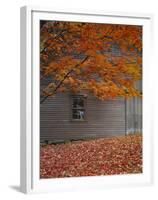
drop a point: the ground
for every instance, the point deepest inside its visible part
(117, 155)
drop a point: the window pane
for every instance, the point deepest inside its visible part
(78, 102)
(78, 114)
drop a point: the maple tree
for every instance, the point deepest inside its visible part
(102, 59)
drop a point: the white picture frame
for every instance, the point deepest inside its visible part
(30, 181)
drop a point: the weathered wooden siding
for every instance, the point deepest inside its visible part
(134, 113)
(104, 119)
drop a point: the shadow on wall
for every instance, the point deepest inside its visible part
(15, 187)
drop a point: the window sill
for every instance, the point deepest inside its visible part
(78, 120)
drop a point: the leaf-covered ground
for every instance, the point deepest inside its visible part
(117, 155)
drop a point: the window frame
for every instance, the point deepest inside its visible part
(84, 108)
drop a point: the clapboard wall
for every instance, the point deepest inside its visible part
(133, 109)
(103, 119)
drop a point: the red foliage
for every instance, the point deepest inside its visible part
(72, 54)
(117, 155)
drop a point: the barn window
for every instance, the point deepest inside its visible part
(78, 107)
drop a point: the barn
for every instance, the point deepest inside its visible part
(67, 117)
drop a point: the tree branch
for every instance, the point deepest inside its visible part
(56, 37)
(61, 82)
